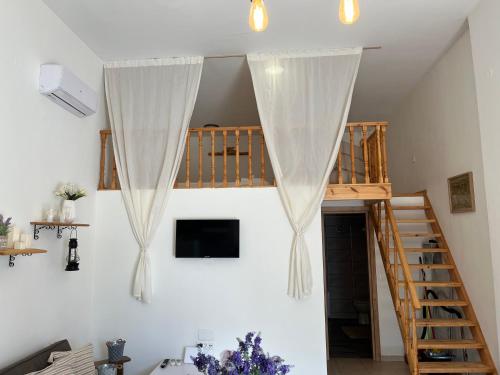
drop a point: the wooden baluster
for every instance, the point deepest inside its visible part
(396, 271)
(339, 165)
(102, 166)
(407, 305)
(188, 159)
(403, 315)
(384, 155)
(414, 334)
(365, 156)
(200, 158)
(212, 134)
(387, 238)
(353, 160)
(224, 152)
(237, 140)
(379, 157)
(262, 159)
(379, 213)
(250, 172)
(114, 179)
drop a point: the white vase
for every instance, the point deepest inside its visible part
(68, 212)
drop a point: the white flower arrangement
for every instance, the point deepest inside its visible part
(70, 192)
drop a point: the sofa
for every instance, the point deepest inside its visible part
(36, 361)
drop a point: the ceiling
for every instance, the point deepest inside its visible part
(412, 33)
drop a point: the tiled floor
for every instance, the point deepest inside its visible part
(357, 366)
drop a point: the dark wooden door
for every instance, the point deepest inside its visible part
(348, 285)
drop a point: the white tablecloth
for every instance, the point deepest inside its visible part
(175, 370)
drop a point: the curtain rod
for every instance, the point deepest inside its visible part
(244, 55)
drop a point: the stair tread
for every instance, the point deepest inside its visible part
(445, 323)
(449, 344)
(423, 249)
(442, 284)
(419, 234)
(432, 266)
(414, 221)
(443, 302)
(412, 208)
(453, 367)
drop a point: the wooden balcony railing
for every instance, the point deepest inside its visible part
(221, 157)
(225, 157)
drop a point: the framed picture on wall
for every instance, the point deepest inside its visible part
(461, 193)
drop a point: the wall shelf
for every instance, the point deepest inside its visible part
(12, 253)
(52, 225)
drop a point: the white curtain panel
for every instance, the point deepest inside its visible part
(303, 101)
(150, 103)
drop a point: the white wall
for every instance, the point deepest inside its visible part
(42, 145)
(228, 296)
(434, 135)
(391, 343)
(485, 34)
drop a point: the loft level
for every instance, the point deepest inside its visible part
(236, 157)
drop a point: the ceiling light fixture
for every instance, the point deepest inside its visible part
(275, 70)
(348, 11)
(258, 19)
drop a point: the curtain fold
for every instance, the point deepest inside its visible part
(150, 103)
(303, 101)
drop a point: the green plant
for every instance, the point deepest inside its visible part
(4, 225)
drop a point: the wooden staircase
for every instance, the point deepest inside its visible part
(401, 230)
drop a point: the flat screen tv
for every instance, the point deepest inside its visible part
(207, 239)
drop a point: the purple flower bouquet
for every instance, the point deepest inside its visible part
(249, 359)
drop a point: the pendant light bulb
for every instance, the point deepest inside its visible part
(258, 19)
(349, 11)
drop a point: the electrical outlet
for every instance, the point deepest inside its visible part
(206, 346)
(206, 340)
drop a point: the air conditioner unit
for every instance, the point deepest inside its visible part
(67, 90)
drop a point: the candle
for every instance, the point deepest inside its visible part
(19, 245)
(26, 240)
(12, 236)
(50, 215)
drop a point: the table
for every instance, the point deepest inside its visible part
(184, 369)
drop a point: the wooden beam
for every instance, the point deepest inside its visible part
(336, 192)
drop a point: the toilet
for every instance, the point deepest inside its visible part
(363, 310)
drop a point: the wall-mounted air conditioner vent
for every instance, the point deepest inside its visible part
(67, 90)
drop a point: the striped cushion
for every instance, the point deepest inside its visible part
(55, 369)
(55, 355)
(81, 360)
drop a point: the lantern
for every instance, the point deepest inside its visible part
(73, 257)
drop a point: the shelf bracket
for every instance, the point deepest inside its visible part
(12, 259)
(37, 228)
(60, 229)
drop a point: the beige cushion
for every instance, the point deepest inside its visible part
(55, 369)
(81, 360)
(55, 355)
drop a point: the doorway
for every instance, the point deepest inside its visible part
(350, 286)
